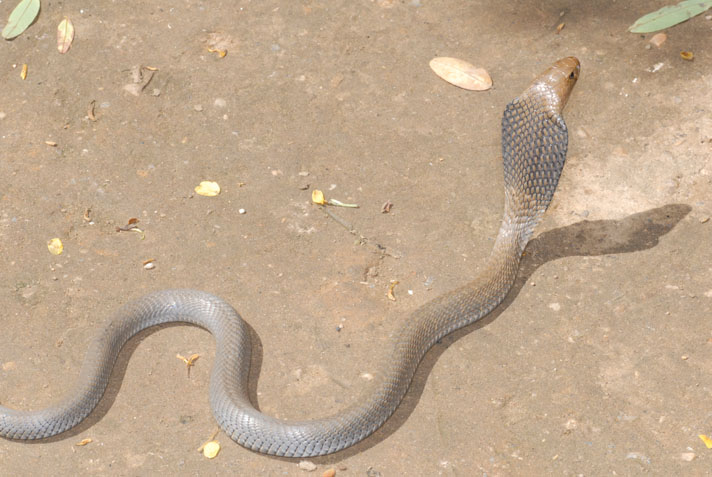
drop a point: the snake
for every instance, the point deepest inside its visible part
(534, 146)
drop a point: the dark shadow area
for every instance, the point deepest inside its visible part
(634, 233)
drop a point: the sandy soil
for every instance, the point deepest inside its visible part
(599, 361)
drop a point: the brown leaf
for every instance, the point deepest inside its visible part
(461, 73)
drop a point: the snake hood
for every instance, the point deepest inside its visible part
(534, 144)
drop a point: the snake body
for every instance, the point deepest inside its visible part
(534, 143)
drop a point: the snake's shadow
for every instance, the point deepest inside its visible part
(636, 232)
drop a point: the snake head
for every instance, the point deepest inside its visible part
(559, 80)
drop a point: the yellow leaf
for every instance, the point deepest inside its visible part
(461, 73)
(83, 442)
(318, 197)
(55, 246)
(65, 35)
(211, 449)
(706, 440)
(208, 189)
(23, 72)
(686, 55)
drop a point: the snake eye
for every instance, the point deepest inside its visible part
(572, 75)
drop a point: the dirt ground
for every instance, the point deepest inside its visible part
(598, 363)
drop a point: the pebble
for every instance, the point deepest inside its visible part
(220, 103)
(3, 115)
(367, 376)
(198, 107)
(242, 211)
(306, 465)
(149, 266)
(555, 306)
(687, 456)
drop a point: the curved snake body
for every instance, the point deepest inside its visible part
(534, 143)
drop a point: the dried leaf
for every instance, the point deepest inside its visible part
(658, 39)
(83, 442)
(461, 73)
(221, 53)
(318, 197)
(55, 246)
(65, 35)
(208, 189)
(669, 16)
(211, 449)
(391, 296)
(560, 27)
(90, 110)
(706, 440)
(687, 55)
(23, 72)
(21, 17)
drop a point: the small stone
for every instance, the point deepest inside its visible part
(149, 266)
(242, 211)
(687, 456)
(198, 107)
(156, 92)
(367, 376)
(220, 103)
(303, 173)
(684, 357)
(306, 465)
(3, 115)
(555, 306)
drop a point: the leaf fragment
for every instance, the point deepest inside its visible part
(90, 110)
(318, 197)
(461, 73)
(391, 295)
(658, 39)
(211, 449)
(221, 53)
(687, 55)
(669, 16)
(65, 35)
(23, 72)
(21, 17)
(207, 189)
(560, 27)
(55, 246)
(83, 442)
(706, 440)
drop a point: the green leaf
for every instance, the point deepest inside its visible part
(21, 17)
(669, 16)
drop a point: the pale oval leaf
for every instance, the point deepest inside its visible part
(461, 73)
(21, 17)
(65, 35)
(669, 16)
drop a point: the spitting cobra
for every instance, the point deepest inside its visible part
(534, 143)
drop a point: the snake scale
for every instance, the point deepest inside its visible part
(534, 143)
